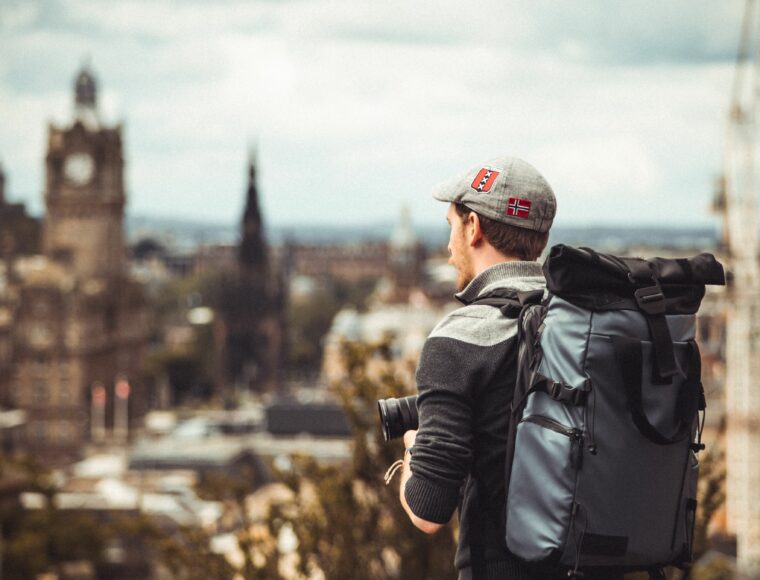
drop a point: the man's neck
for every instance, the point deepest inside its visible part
(490, 257)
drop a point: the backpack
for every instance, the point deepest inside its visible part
(601, 455)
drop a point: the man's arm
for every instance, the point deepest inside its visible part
(451, 368)
(406, 473)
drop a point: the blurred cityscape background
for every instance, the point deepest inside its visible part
(218, 250)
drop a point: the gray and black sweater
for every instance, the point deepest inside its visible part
(465, 379)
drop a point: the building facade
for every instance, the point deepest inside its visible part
(79, 321)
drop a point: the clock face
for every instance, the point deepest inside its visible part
(79, 168)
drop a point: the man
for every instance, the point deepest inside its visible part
(499, 213)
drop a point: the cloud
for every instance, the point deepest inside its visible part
(360, 107)
(638, 33)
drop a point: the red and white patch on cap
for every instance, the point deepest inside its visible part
(485, 179)
(517, 207)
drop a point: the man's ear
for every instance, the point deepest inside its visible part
(474, 232)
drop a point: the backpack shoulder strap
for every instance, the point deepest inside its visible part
(510, 302)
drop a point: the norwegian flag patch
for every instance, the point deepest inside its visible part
(517, 207)
(484, 179)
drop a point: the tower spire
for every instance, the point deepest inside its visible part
(253, 154)
(253, 246)
(85, 96)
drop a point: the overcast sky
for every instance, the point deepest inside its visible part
(359, 107)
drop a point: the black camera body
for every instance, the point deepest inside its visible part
(397, 416)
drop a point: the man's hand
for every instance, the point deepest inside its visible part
(406, 473)
(409, 438)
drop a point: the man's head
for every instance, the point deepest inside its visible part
(499, 211)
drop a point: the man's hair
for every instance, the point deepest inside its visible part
(509, 240)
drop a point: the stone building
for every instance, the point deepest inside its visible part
(19, 232)
(79, 321)
(351, 263)
(19, 236)
(400, 260)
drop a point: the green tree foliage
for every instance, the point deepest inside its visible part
(719, 568)
(712, 494)
(33, 541)
(257, 544)
(348, 523)
(309, 319)
(184, 552)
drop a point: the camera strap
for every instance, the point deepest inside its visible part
(391, 473)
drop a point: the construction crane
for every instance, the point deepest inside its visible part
(738, 204)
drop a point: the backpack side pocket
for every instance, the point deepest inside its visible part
(539, 514)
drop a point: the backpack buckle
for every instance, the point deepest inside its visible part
(650, 299)
(567, 394)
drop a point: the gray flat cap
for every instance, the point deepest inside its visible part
(505, 189)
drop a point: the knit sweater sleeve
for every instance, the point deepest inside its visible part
(451, 367)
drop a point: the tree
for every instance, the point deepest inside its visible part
(33, 541)
(348, 523)
(309, 319)
(711, 497)
(184, 552)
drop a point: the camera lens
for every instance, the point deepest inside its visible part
(397, 416)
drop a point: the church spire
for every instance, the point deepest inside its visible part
(85, 97)
(253, 245)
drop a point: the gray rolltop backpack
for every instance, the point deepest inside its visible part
(601, 466)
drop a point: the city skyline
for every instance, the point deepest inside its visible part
(356, 110)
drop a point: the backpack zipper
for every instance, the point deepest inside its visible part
(575, 436)
(549, 424)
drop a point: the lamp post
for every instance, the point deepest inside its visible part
(121, 411)
(98, 412)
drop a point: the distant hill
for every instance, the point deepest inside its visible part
(188, 233)
(620, 239)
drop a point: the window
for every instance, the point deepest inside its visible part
(64, 391)
(40, 367)
(64, 383)
(40, 391)
(39, 431)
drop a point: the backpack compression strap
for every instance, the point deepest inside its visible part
(651, 302)
(629, 357)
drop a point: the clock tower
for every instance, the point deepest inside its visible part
(80, 321)
(84, 190)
